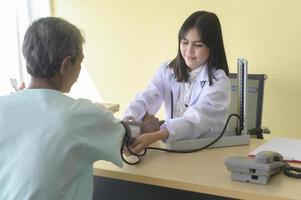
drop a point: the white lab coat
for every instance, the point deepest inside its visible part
(207, 109)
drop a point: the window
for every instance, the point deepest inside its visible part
(15, 16)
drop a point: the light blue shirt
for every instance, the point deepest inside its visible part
(48, 143)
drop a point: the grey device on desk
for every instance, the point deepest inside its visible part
(258, 170)
(238, 136)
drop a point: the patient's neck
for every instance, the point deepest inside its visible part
(43, 83)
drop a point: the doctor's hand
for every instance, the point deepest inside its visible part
(150, 124)
(146, 139)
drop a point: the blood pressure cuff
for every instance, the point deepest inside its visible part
(132, 130)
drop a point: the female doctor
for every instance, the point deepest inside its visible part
(194, 86)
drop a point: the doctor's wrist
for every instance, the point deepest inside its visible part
(163, 134)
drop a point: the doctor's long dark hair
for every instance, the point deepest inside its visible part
(209, 30)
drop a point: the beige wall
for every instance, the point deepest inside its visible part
(128, 39)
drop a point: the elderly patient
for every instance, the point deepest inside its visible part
(49, 141)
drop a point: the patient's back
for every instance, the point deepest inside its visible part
(48, 142)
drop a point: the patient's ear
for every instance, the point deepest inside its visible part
(65, 65)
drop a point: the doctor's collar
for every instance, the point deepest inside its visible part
(195, 73)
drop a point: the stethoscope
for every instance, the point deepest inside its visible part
(171, 104)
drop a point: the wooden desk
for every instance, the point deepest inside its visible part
(111, 106)
(202, 172)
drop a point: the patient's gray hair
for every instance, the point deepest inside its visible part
(47, 42)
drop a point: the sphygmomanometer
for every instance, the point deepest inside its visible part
(257, 170)
(132, 129)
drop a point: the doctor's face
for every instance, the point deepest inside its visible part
(193, 50)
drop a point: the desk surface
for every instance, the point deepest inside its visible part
(202, 172)
(111, 106)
